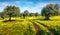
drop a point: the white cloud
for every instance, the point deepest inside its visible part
(3, 5)
(31, 7)
(15, 3)
(36, 8)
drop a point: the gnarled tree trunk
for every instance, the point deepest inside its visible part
(9, 17)
(46, 18)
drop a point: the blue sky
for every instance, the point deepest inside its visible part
(30, 5)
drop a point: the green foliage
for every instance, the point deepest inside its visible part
(36, 14)
(51, 9)
(11, 11)
(26, 13)
(32, 14)
(2, 15)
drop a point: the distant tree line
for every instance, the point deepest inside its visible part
(13, 11)
(47, 11)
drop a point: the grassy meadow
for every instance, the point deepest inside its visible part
(30, 26)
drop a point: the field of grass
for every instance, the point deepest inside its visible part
(30, 26)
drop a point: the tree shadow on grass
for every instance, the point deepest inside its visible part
(12, 21)
(42, 20)
(39, 19)
(8, 20)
